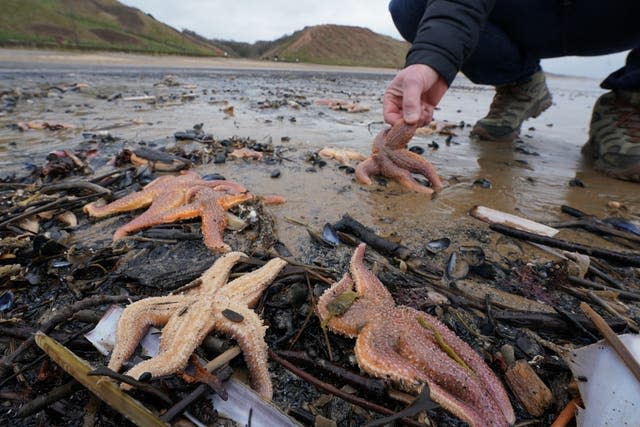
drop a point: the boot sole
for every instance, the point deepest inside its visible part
(483, 133)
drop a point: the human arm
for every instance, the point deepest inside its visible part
(447, 34)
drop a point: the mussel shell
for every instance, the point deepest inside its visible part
(623, 224)
(482, 182)
(457, 268)
(329, 234)
(438, 245)
(6, 301)
(473, 255)
(214, 177)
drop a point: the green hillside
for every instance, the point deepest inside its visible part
(339, 45)
(93, 24)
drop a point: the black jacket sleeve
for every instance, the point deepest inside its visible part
(447, 34)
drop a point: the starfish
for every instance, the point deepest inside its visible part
(390, 157)
(412, 348)
(342, 156)
(188, 318)
(167, 197)
(246, 153)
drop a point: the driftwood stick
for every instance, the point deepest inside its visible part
(63, 314)
(347, 224)
(612, 339)
(617, 257)
(337, 392)
(371, 386)
(44, 400)
(633, 296)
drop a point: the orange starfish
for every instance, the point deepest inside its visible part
(390, 158)
(411, 348)
(165, 194)
(211, 205)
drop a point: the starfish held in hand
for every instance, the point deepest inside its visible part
(411, 348)
(390, 158)
(188, 318)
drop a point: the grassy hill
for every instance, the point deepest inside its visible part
(93, 24)
(339, 45)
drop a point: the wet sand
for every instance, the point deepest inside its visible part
(530, 177)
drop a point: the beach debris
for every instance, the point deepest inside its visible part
(105, 390)
(157, 160)
(188, 318)
(196, 133)
(438, 245)
(245, 153)
(41, 124)
(530, 390)
(343, 105)
(610, 392)
(343, 156)
(390, 158)
(438, 128)
(410, 348)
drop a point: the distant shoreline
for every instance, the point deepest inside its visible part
(10, 58)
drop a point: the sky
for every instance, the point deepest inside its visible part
(252, 20)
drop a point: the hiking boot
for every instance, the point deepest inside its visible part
(614, 135)
(512, 104)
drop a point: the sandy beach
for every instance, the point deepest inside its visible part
(98, 106)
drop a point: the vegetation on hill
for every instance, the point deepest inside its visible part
(340, 45)
(110, 25)
(93, 24)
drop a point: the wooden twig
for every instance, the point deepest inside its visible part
(337, 392)
(76, 184)
(62, 314)
(44, 400)
(613, 339)
(633, 296)
(567, 413)
(613, 256)
(371, 386)
(106, 390)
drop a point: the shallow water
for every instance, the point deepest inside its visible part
(530, 177)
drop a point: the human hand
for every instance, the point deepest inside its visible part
(412, 95)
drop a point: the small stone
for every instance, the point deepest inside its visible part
(275, 173)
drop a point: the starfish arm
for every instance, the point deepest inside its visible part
(414, 163)
(188, 327)
(214, 221)
(376, 352)
(399, 135)
(349, 322)
(218, 274)
(229, 187)
(136, 320)
(250, 286)
(365, 169)
(402, 176)
(249, 333)
(367, 284)
(139, 199)
(490, 397)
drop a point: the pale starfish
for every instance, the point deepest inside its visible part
(411, 348)
(189, 318)
(390, 158)
(245, 153)
(167, 196)
(341, 155)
